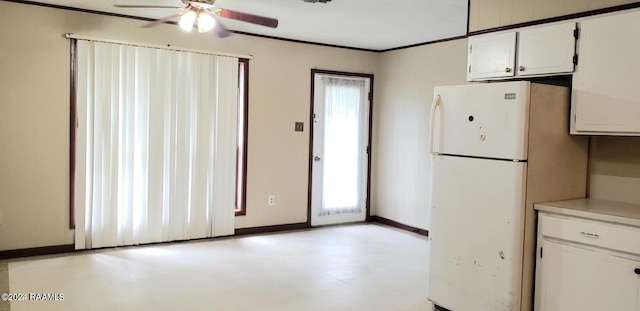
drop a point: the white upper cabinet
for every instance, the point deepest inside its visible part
(491, 56)
(540, 51)
(546, 50)
(606, 87)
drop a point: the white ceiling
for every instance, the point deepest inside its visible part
(365, 24)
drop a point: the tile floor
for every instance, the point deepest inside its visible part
(351, 267)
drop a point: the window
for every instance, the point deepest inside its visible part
(243, 118)
(243, 105)
(155, 133)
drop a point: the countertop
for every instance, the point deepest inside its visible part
(611, 211)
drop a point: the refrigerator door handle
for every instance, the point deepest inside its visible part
(434, 106)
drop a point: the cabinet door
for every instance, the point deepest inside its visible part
(491, 56)
(546, 50)
(572, 278)
(606, 93)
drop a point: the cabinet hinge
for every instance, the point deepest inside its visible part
(540, 252)
(471, 48)
(469, 68)
(576, 33)
(575, 59)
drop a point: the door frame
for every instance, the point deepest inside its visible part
(311, 129)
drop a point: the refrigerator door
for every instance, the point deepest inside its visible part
(476, 233)
(482, 120)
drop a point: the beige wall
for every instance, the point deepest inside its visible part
(616, 156)
(34, 116)
(487, 14)
(401, 160)
(614, 164)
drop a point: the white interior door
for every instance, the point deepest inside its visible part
(340, 142)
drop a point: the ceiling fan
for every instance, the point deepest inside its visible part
(203, 14)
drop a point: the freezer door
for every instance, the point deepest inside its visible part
(476, 234)
(483, 120)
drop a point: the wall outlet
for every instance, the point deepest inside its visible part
(271, 200)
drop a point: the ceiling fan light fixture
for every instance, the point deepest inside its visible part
(187, 20)
(204, 13)
(206, 22)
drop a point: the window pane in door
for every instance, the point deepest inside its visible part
(342, 146)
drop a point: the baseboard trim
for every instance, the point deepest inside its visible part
(60, 249)
(37, 251)
(398, 225)
(271, 229)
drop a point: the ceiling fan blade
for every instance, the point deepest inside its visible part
(219, 28)
(246, 17)
(162, 20)
(134, 6)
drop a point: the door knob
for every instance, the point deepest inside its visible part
(316, 158)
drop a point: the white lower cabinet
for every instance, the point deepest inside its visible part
(576, 269)
(573, 278)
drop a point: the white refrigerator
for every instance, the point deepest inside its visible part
(497, 148)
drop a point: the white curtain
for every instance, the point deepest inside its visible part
(156, 142)
(344, 165)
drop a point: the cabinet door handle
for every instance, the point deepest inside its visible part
(522, 68)
(637, 270)
(507, 69)
(590, 235)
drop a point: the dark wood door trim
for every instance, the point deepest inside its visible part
(369, 139)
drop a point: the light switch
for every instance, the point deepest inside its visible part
(299, 126)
